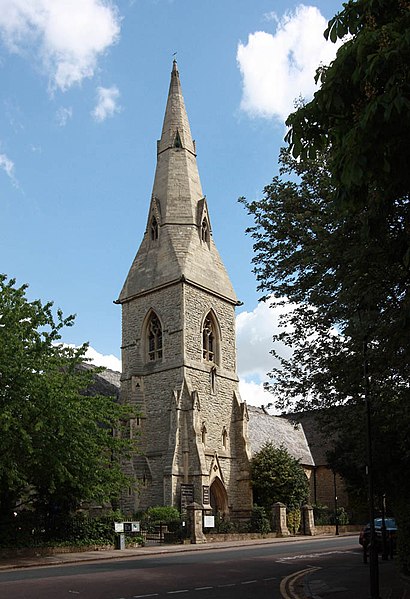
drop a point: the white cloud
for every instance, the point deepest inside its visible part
(107, 98)
(63, 115)
(7, 165)
(254, 332)
(67, 36)
(254, 394)
(108, 361)
(279, 68)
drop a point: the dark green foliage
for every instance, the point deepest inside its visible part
(324, 515)
(57, 445)
(293, 519)
(29, 529)
(347, 286)
(362, 109)
(259, 520)
(277, 476)
(162, 513)
(224, 525)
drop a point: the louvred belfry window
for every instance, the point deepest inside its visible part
(208, 340)
(154, 339)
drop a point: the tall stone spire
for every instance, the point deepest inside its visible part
(176, 183)
(178, 241)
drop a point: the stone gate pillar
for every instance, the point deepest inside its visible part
(195, 514)
(279, 519)
(308, 520)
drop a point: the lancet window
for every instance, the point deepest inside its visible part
(154, 333)
(203, 433)
(224, 437)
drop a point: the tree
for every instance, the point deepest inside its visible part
(345, 289)
(57, 445)
(362, 109)
(277, 476)
(336, 243)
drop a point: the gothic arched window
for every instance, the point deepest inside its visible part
(154, 338)
(209, 339)
(154, 228)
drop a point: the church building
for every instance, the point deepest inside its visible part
(179, 347)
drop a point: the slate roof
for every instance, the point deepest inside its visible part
(280, 431)
(319, 441)
(106, 382)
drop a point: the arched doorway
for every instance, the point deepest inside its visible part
(219, 498)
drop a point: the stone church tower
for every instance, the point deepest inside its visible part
(178, 344)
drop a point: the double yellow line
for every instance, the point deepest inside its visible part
(288, 584)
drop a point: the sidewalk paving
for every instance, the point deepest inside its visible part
(350, 584)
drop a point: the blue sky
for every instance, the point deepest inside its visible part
(82, 95)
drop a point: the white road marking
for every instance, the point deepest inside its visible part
(249, 581)
(312, 555)
(202, 588)
(175, 592)
(141, 596)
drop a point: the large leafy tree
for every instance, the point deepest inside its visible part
(57, 446)
(362, 108)
(277, 476)
(348, 292)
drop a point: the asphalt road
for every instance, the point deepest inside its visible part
(320, 567)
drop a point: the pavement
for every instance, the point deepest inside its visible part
(343, 581)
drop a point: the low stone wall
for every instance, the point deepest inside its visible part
(343, 529)
(248, 536)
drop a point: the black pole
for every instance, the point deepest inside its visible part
(373, 554)
(336, 508)
(385, 553)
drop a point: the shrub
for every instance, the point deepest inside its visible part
(259, 520)
(31, 530)
(294, 519)
(223, 525)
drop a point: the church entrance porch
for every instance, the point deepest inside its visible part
(219, 498)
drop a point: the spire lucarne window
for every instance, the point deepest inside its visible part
(205, 231)
(154, 228)
(154, 332)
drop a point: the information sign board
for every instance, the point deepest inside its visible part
(209, 521)
(127, 527)
(205, 495)
(187, 495)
